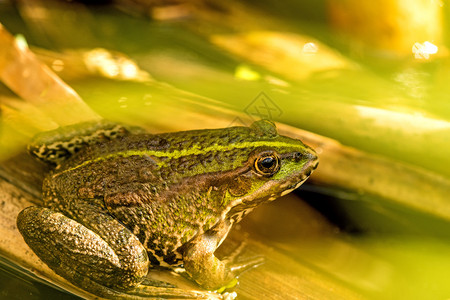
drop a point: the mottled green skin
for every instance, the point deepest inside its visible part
(157, 200)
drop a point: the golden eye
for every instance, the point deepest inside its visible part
(267, 163)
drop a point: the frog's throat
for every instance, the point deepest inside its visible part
(175, 154)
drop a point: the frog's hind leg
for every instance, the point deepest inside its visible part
(102, 257)
(81, 255)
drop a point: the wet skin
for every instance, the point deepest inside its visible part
(121, 201)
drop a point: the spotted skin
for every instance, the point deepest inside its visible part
(165, 200)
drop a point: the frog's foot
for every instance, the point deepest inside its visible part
(238, 266)
(156, 283)
(148, 291)
(241, 266)
(231, 257)
(247, 264)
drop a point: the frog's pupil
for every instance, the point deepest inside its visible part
(267, 162)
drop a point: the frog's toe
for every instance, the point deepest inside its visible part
(231, 257)
(238, 268)
(147, 291)
(158, 283)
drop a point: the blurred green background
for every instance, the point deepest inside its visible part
(293, 63)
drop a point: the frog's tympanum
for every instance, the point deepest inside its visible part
(119, 202)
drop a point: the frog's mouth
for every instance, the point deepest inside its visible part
(291, 186)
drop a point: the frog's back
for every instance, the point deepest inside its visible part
(55, 146)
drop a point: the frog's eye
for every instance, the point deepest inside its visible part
(267, 163)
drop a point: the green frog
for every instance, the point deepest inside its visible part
(121, 201)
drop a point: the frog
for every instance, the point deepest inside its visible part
(120, 201)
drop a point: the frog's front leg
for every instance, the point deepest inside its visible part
(102, 257)
(205, 268)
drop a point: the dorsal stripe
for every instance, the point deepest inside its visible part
(184, 152)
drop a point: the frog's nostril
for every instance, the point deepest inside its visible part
(297, 156)
(311, 156)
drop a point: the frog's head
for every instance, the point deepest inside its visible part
(234, 169)
(272, 166)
